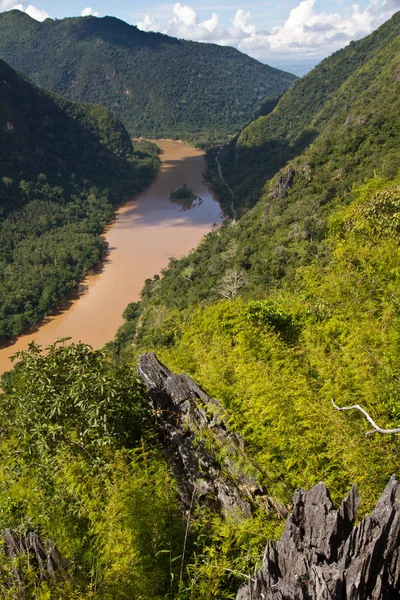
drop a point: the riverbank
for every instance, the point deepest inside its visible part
(147, 231)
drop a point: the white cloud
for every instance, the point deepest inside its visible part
(32, 11)
(89, 12)
(184, 15)
(184, 23)
(241, 22)
(6, 4)
(211, 23)
(306, 33)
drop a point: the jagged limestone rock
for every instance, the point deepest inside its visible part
(208, 461)
(322, 556)
(43, 556)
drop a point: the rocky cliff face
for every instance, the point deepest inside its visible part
(208, 461)
(284, 184)
(322, 556)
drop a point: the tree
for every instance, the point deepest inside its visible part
(187, 273)
(72, 395)
(231, 282)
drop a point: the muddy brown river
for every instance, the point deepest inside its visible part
(147, 231)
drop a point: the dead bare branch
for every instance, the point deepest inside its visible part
(231, 282)
(377, 429)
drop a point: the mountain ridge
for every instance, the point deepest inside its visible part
(269, 142)
(157, 85)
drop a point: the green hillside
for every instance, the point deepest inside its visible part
(157, 85)
(313, 265)
(62, 167)
(277, 360)
(314, 104)
(295, 304)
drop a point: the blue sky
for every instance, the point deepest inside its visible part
(292, 34)
(271, 13)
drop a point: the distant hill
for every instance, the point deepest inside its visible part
(157, 85)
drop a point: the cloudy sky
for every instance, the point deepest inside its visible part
(292, 34)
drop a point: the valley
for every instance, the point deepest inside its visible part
(147, 231)
(235, 328)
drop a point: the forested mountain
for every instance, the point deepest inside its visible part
(157, 85)
(57, 160)
(276, 314)
(296, 304)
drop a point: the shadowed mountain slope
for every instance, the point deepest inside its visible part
(62, 168)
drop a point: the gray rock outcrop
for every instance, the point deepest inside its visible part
(322, 556)
(208, 461)
(44, 557)
(284, 184)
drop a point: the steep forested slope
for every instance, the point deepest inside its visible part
(316, 266)
(277, 363)
(314, 103)
(56, 161)
(296, 305)
(157, 85)
(43, 133)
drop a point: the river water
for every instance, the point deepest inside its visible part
(147, 231)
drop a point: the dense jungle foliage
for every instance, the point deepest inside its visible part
(277, 360)
(63, 167)
(157, 85)
(80, 467)
(292, 307)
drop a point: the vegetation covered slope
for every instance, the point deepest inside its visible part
(313, 105)
(43, 133)
(297, 301)
(157, 85)
(296, 305)
(58, 161)
(277, 362)
(81, 465)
